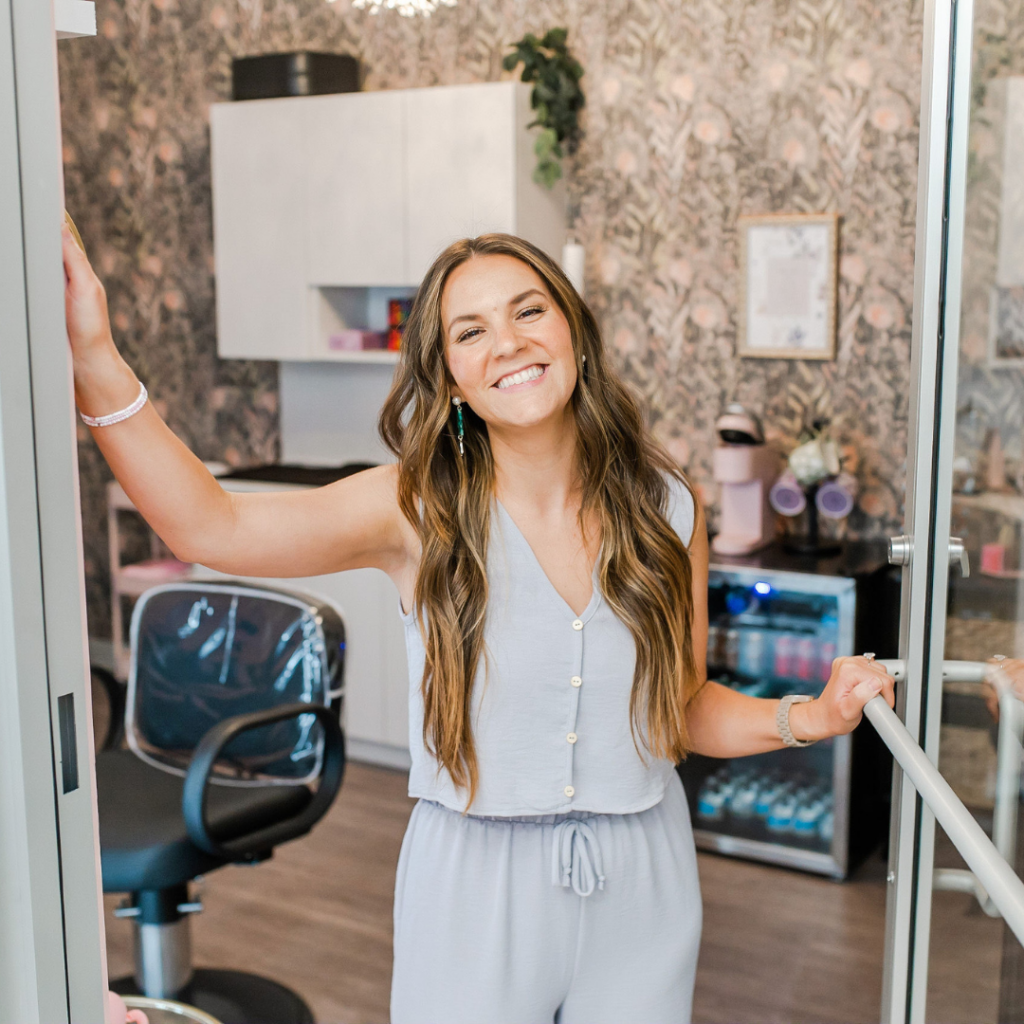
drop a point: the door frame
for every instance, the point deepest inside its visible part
(942, 168)
(52, 953)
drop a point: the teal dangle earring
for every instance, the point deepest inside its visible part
(457, 402)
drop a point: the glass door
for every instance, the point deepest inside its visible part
(950, 957)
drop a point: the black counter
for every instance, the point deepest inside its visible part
(294, 473)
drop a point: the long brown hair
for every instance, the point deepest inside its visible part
(644, 571)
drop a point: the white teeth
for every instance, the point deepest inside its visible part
(530, 373)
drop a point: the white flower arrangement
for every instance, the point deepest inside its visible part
(814, 460)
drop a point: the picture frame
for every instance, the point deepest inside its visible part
(789, 266)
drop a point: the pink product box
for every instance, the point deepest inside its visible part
(355, 340)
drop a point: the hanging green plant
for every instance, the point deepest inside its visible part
(556, 98)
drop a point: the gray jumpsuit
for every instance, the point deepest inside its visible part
(569, 892)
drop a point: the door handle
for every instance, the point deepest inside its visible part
(958, 553)
(901, 552)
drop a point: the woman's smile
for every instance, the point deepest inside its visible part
(519, 379)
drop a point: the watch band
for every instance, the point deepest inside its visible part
(782, 719)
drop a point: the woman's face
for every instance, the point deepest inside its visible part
(508, 343)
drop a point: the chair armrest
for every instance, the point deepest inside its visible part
(257, 844)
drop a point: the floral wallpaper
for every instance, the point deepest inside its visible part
(697, 112)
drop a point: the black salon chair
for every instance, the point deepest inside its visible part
(232, 724)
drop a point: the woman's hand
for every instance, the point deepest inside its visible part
(1003, 674)
(85, 303)
(103, 381)
(839, 709)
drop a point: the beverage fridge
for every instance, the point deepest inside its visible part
(774, 631)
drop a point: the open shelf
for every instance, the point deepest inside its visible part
(336, 308)
(366, 356)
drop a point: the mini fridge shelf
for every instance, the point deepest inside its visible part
(786, 807)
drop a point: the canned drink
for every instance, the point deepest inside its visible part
(732, 649)
(805, 659)
(751, 656)
(785, 650)
(826, 655)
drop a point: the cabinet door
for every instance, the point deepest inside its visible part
(460, 158)
(258, 229)
(357, 594)
(355, 173)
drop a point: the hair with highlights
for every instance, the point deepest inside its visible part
(644, 571)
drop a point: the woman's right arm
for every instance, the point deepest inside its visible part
(351, 524)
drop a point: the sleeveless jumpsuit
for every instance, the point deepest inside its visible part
(568, 893)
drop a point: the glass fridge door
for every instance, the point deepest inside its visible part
(772, 633)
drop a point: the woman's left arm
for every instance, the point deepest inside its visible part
(724, 723)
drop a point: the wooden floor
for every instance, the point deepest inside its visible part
(778, 946)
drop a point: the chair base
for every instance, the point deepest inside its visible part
(234, 997)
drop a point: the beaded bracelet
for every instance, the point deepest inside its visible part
(118, 417)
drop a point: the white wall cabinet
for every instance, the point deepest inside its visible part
(259, 231)
(360, 190)
(74, 18)
(461, 170)
(355, 216)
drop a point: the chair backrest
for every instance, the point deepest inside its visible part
(203, 652)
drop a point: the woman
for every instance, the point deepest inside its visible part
(552, 570)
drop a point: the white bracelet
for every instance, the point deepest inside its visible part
(118, 417)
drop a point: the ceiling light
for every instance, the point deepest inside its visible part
(407, 8)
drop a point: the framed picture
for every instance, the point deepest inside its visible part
(788, 267)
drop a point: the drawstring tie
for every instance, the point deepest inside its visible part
(576, 857)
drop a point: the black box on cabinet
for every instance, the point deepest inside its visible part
(269, 75)
(776, 622)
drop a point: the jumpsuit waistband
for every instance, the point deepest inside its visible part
(576, 860)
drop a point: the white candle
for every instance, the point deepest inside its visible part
(574, 258)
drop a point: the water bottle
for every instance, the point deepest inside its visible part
(732, 649)
(751, 654)
(780, 817)
(806, 661)
(710, 800)
(826, 654)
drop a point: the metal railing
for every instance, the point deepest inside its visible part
(991, 877)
